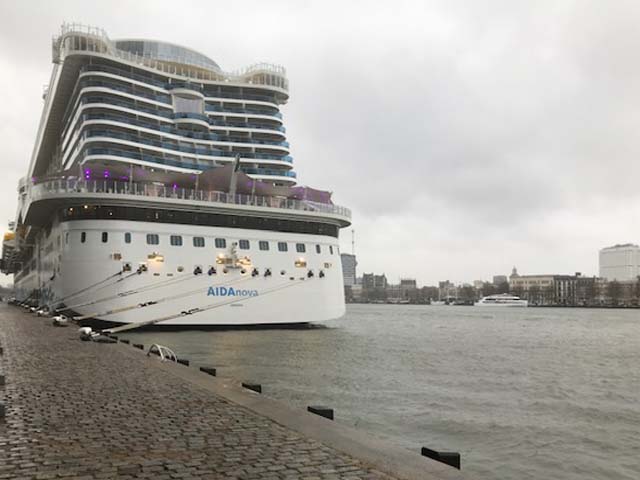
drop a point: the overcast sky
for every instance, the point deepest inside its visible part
(467, 137)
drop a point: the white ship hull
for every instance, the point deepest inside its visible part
(287, 296)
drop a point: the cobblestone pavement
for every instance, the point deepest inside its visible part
(82, 410)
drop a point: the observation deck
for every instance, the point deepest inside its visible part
(44, 198)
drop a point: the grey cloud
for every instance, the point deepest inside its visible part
(467, 135)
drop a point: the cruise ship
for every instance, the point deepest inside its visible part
(161, 190)
(501, 300)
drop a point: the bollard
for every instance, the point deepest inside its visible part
(209, 370)
(183, 361)
(1, 351)
(256, 387)
(450, 458)
(2, 380)
(139, 346)
(125, 341)
(2, 411)
(325, 412)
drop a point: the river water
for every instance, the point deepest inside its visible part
(532, 393)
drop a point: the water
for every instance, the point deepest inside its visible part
(522, 393)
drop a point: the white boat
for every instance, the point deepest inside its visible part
(501, 300)
(161, 189)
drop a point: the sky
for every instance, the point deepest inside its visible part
(466, 137)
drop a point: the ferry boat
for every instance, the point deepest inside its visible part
(161, 189)
(501, 300)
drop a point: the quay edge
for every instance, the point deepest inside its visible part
(111, 369)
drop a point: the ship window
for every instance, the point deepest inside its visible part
(331, 249)
(105, 237)
(263, 245)
(300, 248)
(153, 239)
(175, 240)
(127, 237)
(198, 241)
(244, 244)
(282, 246)
(83, 237)
(318, 250)
(221, 243)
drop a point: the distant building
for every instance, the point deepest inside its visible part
(349, 265)
(371, 281)
(499, 279)
(356, 292)
(538, 289)
(526, 282)
(408, 283)
(620, 262)
(447, 290)
(478, 284)
(408, 289)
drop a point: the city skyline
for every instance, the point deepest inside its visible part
(466, 138)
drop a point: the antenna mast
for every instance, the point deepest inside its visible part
(353, 242)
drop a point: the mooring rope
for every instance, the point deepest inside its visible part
(156, 302)
(82, 290)
(145, 288)
(131, 326)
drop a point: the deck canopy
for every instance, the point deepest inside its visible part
(217, 179)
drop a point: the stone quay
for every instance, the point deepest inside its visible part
(77, 409)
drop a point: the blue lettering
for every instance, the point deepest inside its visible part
(230, 292)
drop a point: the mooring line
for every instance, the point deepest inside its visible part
(156, 302)
(131, 326)
(52, 306)
(145, 288)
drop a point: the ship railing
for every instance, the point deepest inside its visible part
(174, 192)
(75, 37)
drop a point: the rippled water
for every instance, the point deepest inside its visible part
(521, 393)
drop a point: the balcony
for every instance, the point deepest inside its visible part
(182, 148)
(47, 196)
(160, 161)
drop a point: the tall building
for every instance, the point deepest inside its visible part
(349, 265)
(620, 262)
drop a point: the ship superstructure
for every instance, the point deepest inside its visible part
(155, 174)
